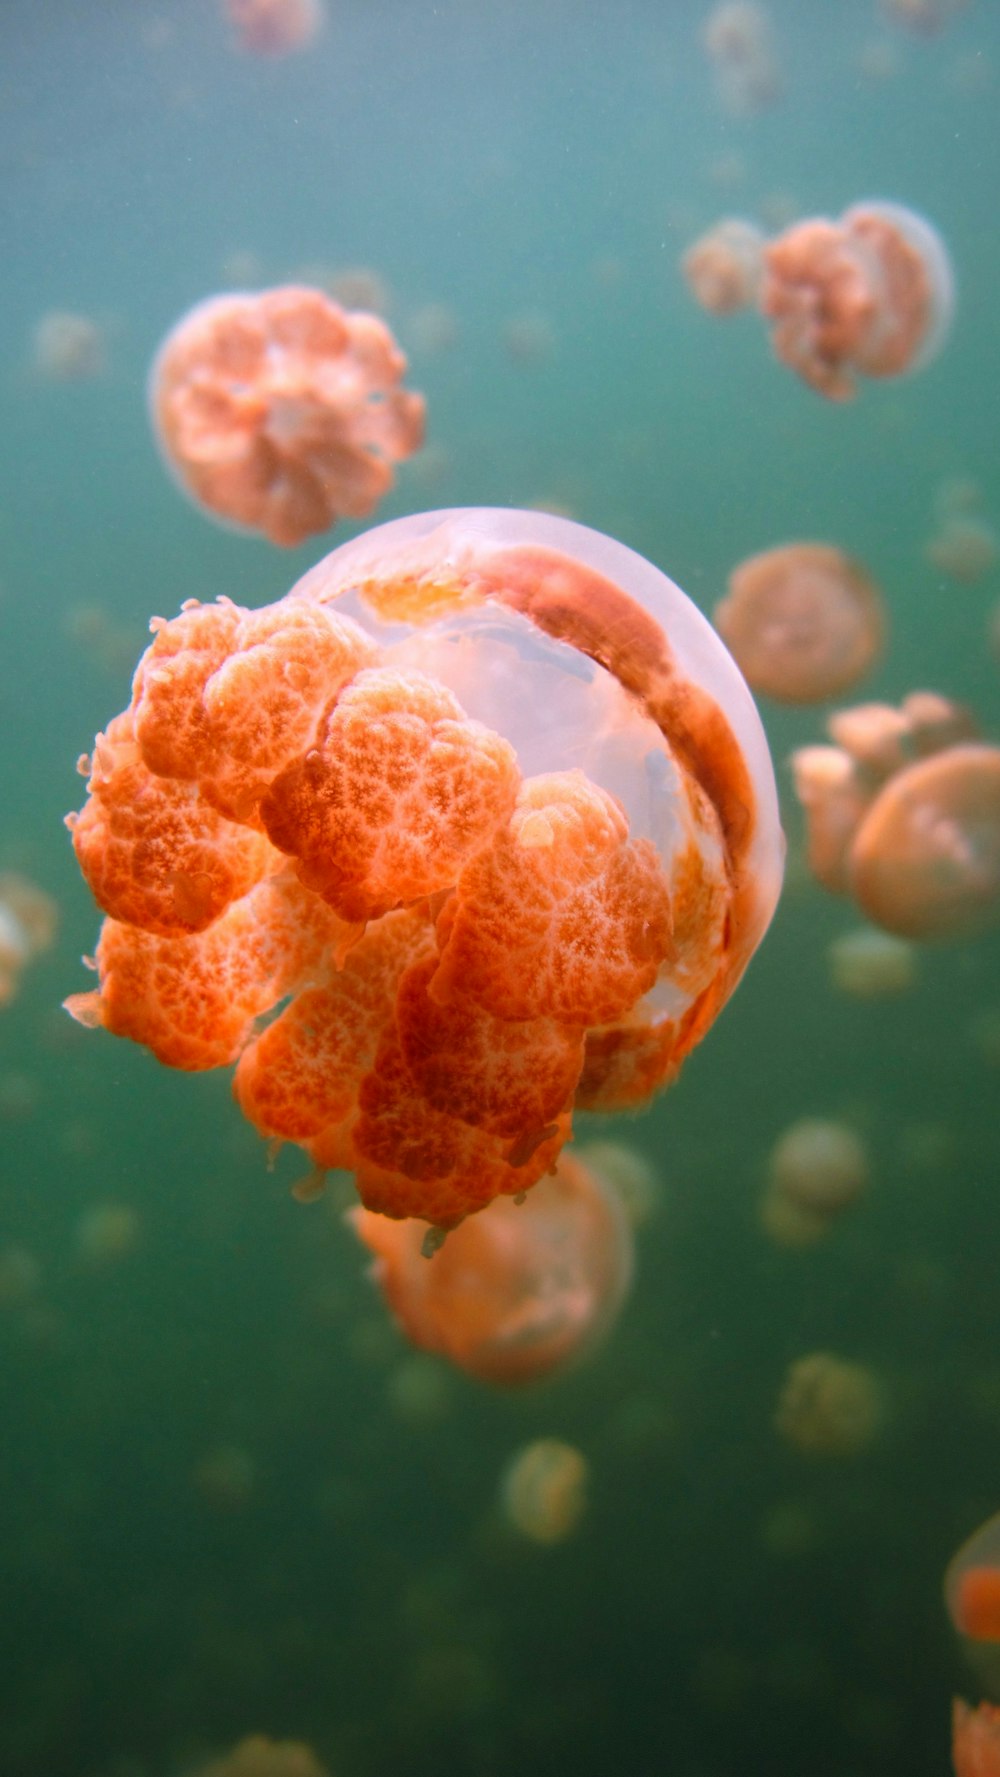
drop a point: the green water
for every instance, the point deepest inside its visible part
(727, 1606)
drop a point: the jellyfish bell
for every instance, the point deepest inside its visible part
(722, 268)
(280, 412)
(828, 1407)
(871, 294)
(925, 860)
(275, 27)
(516, 1293)
(869, 964)
(803, 621)
(522, 841)
(972, 1600)
(543, 1490)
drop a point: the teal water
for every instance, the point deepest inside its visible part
(727, 1605)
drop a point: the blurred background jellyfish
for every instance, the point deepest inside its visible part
(723, 266)
(347, 801)
(739, 40)
(257, 1756)
(972, 1600)
(280, 412)
(275, 27)
(925, 18)
(518, 1292)
(804, 622)
(870, 294)
(975, 1740)
(67, 348)
(963, 547)
(869, 964)
(543, 1490)
(27, 928)
(816, 1170)
(828, 1407)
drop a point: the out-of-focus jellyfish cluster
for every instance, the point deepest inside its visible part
(816, 1170)
(739, 40)
(903, 814)
(275, 27)
(803, 622)
(281, 412)
(357, 802)
(868, 294)
(828, 1406)
(27, 928)
(517, 1292)
(543, 1490)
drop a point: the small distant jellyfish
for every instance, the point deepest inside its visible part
(723, 267)
(68, 348)
(27, 928)
(280, 412)
(829, 1407)
(528, 338)
(964, 548)
(925, 861)
(804, 622)
(257, 1756)
(543, 1490)
(740, 44)
(518, 1292)
(226, 1477)
(816, 1170)
(869, 964)
(972, 1600)
(275, 27)
(868, 295)
(107, 1233)
(482, 811)
(975, 1739)
(925, 18)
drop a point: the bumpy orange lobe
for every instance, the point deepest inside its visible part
(977, 1603)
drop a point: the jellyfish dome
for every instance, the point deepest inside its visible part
(483, 805)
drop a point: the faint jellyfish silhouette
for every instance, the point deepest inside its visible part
(964, 547)
(226, 1477)
(528, 338)
(829, 1407)
(359, 287)
(275, 27)
(816, 1170)
(871, 294)
(105, 1234)
(257, 1756)
(517, 1292)
(723, 266)
(543, 1490)
(740, 44)
(869, 964)
(68, 348)
(280, 412)
(925, 861)
(347, 801)
(925, 18)
(27, 928)
(972, 1600)
(433, 329)
(804, 622)
(975, 1739)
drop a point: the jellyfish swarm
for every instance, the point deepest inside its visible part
(483, 799)
(803, 621)
(280, 412)
(972, 1600)
(870, 294)
(517, 1292)
(903, 814)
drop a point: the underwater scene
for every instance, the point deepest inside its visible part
(500, 888)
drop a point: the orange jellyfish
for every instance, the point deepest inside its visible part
(280, 412)
(723, 267)
(517, 1292)
(803, 621)
(925, 861)
(275, 27)
(975, 1740)
(972, 1600)
(543, 1490)
(870, 294)
(483, 806)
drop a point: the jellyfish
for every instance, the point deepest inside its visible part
(803, 621)
(739, 42)
(543, 1490)
(972, 1600)
(816, 1170)
(27, 928)
(925, 860)
(870, 294)
(275, 27)
(67, 348)
(925, 18)
(975, 1740)
(475, 828)
(828, 1407)
(723, 266)
(280, 412)
(518, 1292)
(964, 548)
(257, 1756)
(869, 964)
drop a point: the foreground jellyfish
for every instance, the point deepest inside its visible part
(519, 1291)
(275, 27)
(870, 294)
(972, 1600)
(803, 621)
(723, 266)
(281, 412)
(975, 1740)
(483, 800)
(543, 1490)
(816, 1170)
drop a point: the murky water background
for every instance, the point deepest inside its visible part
(342, 1574)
